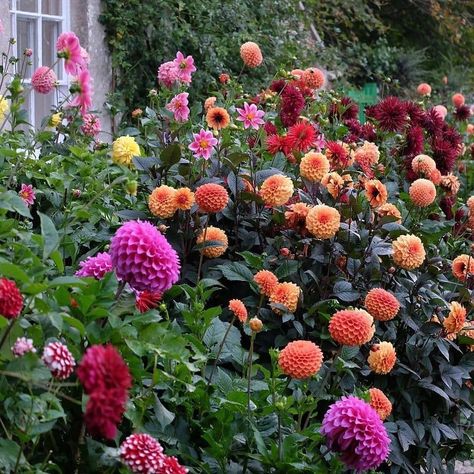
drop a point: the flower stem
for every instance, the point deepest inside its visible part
(220, 350)
(7, 332)
(201, 257)
(249, 375)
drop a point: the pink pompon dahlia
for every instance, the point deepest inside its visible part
(11, 301)
(184, 66)
(27, 194)
(91, 125)
(143, 257)
(69, 48)
(203, 144)
(22, 346)
(142, 453)
(251, 116)
(83, 88)
(354, 429)
(95, 267)
(179, 106)
(59, 360)
(168, 74)
(43, 80)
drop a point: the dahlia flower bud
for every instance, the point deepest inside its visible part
(256, 324)
(132, 187)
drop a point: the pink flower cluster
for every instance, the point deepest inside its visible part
(179, 106)
(177, 71)
(91, 125)
(95, 267)
(22, 346)
(27, 194)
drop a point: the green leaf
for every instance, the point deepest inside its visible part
(9, 451)
(67, 281)
(170, 155)
(13, 271)
(344, 291)
(235, 271)
(163, 415)
(50, 235)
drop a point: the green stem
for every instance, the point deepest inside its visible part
(220, 350)
(7, 332)
(201, 257)
(249, 375)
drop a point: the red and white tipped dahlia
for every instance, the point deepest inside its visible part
(11, 301)
(172, 466)
(143, 257)
(59, 360)
(142, 453)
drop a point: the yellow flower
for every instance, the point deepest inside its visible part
(55, 119)
(124, 149)
(4, 107)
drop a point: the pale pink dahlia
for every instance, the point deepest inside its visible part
(27, 194)
(22, 346)
(43, 80)
(251, 116)
(203, 144)
(91, 125)
(354, 429)
(59, 360)
(168, 74)
(142, 453)
(179, 106)
(143, 257)
(69, 48)
(96, 266)
(184, 66)
(83, 88)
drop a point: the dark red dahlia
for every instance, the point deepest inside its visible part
(301, 86)
(146, 300)
(391, 114)
(301, 136)
(347, 109)
(277, 86)
(414, 112)
(413, 142)
(288, 118)
(368, 132)
(292, 103)
(11, 301)
(446, 204)
(432, 122)
(444, 154)
(462, 113)
(270, 128)
(451, 135)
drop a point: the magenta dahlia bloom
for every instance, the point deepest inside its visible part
(203, 144)
(27, 194)
(179, 106)
(184, 66)
(168, 74)
(142, 453)
(43, 80)
(91, 125)
(251, 116)
(354, 429)
(69, 48)
(143, 257)
(96, 266)
(83, 88)
(172, 466)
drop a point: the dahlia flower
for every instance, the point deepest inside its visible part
(69, 48)
(300, 359)
(217, 118)
(27, 194)
(161, 201)
(301, 136)
(456, 318)
(179, 106)
(458, 99)
(143, 257)
(11, 301)
(391, 114)
(287, 295)
(422, 192)
(184, 199)
(334, 183)
(462, 267)
(22, 346)
(124, 149)
(142, 454)
(239, 310)
(354, 429)
(323, 221)
(266, 281)
(146, 300)
(96, 266)
(382, 357)
(211, 197)
(43, 80)
(276, 190)
(295, 217)
(203, 144)
(251, 54)
(388, 209)
(408, 252)
(441, 110)
(250, 116)
(380, 403)
(450, 183)
(339, 155)
(351, 327)
(168, 74)
(59, 360)
(83, 88)
(292, 104)
(424, 89)
(91, 125)
(423, 164)
(4, 107)
(219, 242)
(381, 304)
(375, 192)
(184, 67)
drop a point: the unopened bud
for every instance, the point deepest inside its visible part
(256, 324)
(132, 187)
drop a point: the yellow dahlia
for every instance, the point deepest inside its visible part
(124, 149)
(382, 357)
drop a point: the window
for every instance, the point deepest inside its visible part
(36, 24)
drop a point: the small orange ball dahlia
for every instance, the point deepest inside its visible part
(380, 403)
(161, 202)
(295, 218)
(217, 118)
(313, 78)
(213, 234)
(239, 310)
(211, 197)
(300, 359)
(367, 155)
(422, 192)
(388, 209)
(266, 281)
(251, 54)
(184, 199)
(450, 183)
(323, 221)
(462, 267)
(381, 304)
(376, 192)
(423, 164)
(458, 100)
(424, 89)
(314, 166)
(334, 183)
(435, 176)
(456, 318)
(276, 190)
(286, 294)
(408, 252)
(351, 327)
(382, 357)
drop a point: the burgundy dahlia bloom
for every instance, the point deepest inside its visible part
(391, 114)
(11, 301)
(414, 112)
(368, 132)
(444, 154)
(432, 122)
(95, 267)
(59, 360)
(462, 113)
(414, 144)
(347, 109)
(142, 453)
(354, 429)
(277, 86)
(143, 257)
(292, 103)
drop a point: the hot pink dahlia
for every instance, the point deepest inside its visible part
(184, 66)
(172, 466)
(354, 429)
(91, 125)
(22, 346)
(142, 453)
(168, 74)
(27, 194)
(43, 80)
(96, 266)
(83, 88)
(203, 144)
(59, 360)
(69, 48)
(179, 106)
(11, 301)
(251, 116)
(143, 257)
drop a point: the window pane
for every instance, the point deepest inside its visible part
(50, 34)
(27, 5)
(51, 7)
(26, 37)
(43, 104)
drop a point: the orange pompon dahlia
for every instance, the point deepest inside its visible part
(300, 359)
(375, 192)
(184, 199)
(456, 318)
(219, 239)
(470, 204)
(424, 89)
(381, 304)
(380, 403)
(334, 183)
(435, 176)
(239, 310)
(295, 218)
(217, 118)
(458, 99)
(161, 202)
(314, 166)
(209, 103)
(408, 252)
(211, 197)
(422, 192)
(462, 267)
(286, 294)
(351, 327)
(276, 190)
(450, 183)
(313, 78)
(251, 54)
(266, 281)
(388, 209)
(423, 164)
(367, 155)
(323, 221)
(382, 357)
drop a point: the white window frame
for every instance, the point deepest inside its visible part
(64, 25)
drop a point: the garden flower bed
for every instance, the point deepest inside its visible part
(250, 284)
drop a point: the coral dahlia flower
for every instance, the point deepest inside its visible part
(334, 183)
(323, 221)
(238, 309)
(314, 166)
(456, 318)
(287, 295)
(219, 242)
(388, 209)
(462, 267)
(351, 327)
(276, 190)
(380, 403)
(217, 118)
(251, 54)
(313, 78)
(375, 192)
(300, 359)
(381, 304)
(458, 99)
(184, 199)
(422, 192)
(382, 357)
(423, 164)
(408, 252)
(161, 202)
(266, 281)
(424, 89)
(211, 197)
